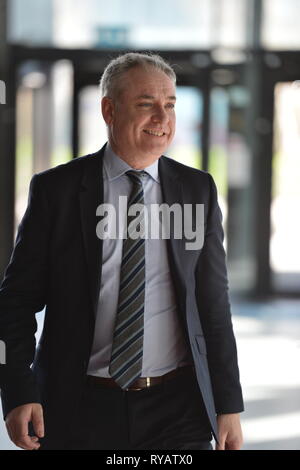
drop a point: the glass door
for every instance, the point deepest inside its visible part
(285, 221)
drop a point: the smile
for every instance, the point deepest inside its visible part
(156, 133)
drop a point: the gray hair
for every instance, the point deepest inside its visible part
(110, 80)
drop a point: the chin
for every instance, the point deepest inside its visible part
(159, 148)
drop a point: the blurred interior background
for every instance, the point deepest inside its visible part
(238, 117)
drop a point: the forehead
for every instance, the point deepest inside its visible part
(147, 81)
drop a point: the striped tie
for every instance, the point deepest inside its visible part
(127, 349)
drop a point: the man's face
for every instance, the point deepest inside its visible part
(141, 118)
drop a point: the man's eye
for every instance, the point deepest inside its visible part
(171, 105)
(145, 104)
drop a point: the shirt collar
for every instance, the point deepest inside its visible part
(116, 167)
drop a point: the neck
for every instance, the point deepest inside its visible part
(138, 163)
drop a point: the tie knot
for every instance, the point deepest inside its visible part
(136, 176)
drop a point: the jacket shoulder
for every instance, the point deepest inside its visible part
(185, 171)
(76, 165)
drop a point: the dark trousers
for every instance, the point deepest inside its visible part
(170, 415)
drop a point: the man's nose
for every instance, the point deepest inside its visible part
(160, 115)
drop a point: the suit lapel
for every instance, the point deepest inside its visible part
(172, 193)
(91, 195)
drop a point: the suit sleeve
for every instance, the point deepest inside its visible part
(214, 308)
(22, 294)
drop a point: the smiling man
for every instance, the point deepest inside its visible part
(140, 114)
(137, 349)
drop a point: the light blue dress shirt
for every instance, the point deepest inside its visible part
(164, 347)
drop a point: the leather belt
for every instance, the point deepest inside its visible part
(142, 382)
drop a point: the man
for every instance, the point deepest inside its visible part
(137, 349)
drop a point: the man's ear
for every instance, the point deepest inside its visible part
(107, 107)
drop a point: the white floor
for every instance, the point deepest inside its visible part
(268, 340)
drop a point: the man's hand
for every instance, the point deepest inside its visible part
(230, 432)
(17, 425)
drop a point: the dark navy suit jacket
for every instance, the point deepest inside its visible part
(57, 262)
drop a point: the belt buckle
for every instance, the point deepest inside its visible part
(148, 384)
(132, 389)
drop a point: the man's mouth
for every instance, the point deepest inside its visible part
(156, 133)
